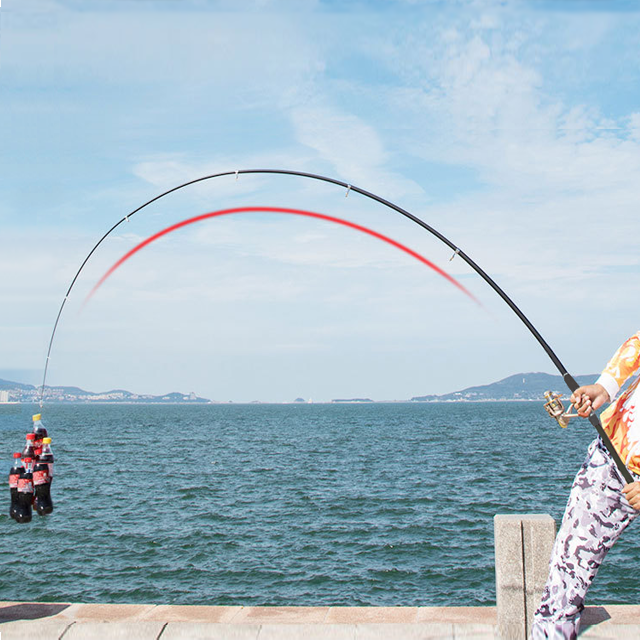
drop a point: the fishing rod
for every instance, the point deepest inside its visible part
(566, 376)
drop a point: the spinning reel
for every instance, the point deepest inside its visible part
(556, 409)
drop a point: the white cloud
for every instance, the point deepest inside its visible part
(352, 147)
(482, 104)
(343, 139)
(634, 126)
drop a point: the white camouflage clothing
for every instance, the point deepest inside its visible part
(597, 513)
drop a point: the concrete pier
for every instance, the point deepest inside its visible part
(65, 621)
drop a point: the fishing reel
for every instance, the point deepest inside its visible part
(556, 409)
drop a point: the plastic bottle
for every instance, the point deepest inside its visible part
(40, 432)
(14, 476)
(25, 492)
(47, 455)
(42, 502)
(28, 452)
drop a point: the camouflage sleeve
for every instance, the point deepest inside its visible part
(622, 366)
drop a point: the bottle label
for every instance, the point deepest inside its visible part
(13, 480)
(41, 477)
(25, 485)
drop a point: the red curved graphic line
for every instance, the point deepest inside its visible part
(296, 212)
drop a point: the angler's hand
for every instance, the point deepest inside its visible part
(589, 398)
(632, 493)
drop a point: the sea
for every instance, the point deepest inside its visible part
(300, 504)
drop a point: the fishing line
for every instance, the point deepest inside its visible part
(296, 212)
(567, 377)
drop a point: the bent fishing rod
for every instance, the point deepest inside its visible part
(567, 377)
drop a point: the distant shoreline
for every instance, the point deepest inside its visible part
(251, 403)
(521, 387)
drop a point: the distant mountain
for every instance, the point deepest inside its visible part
(522, 386)
(7, 385)
(29, 393)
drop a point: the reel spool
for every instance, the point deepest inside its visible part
(556, 409)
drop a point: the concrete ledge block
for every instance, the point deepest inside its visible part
(523, 544)
(458, 615)
(191, 613)
(111, 612)
(607, 632)
(281, 615)
(510, 592)
(409, 631)
(34, 629)
(475, 631)
(114, 630)
(361, 615)
(538, 536)
(206, 631)
(307, 632)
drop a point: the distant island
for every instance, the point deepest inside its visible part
(521, 386)
(18, 392)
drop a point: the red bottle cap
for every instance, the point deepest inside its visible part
(16, 455)
(31, 436)
(28, 460)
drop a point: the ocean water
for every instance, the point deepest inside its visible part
(372, 504)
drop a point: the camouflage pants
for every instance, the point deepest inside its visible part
(596, 514)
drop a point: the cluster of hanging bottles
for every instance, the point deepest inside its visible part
(31, 475)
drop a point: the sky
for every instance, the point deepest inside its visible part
(512, 127)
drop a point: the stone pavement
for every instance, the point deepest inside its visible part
(35, 621)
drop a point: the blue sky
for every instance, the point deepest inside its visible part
(512, 127)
